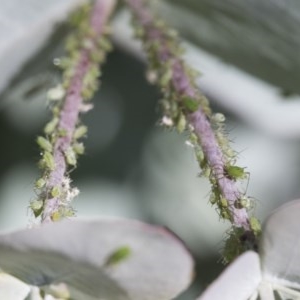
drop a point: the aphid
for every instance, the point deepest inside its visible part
(50, 127)
(87, 44)
(97, 56)
(63, 212)
(181, 123)
(56, 216)
(235, 172)
(40, 183)
(48, 161)
(190, 104)
(118, 256)
(213, 198)
(55, 192)
(57, 93)
(44, 144)
(166, 77)
(78, 148)
(225, 214)
(70, 157)
(255, 225)
(215, 195)
(62, 132)
(244, 202)
(80, 132)
(218, 118)
(223, 202)
(37, 207)
(105, 44)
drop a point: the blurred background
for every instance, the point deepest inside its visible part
(247, 55)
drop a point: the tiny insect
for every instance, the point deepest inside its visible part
(80, 132)
(235, 172)
(118, 256)
(44, 144)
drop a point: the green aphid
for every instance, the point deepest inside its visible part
(50, 127)
(40, 183)
(166, 77)
(87, 44)
(235, 172)
(97, 56)
(174, 110)
(255, 225)
(48, 161)
(56, 216)
(80, 15)
(218, 118)
(243, 202)
(223, 202)
(78, 148)
(118, 256)
(233, 247)
(80, 132)
(37, 207)
(61, 213)
(213, 198)
(62, 132)
(194, 139)
(71, 157)
(105, 44)
(87, 94)
(190, 104)
(216, 193)
(55, 111)
(225, 214)
(56, 94)
(181, 123)
(55, 192)
(44, 144)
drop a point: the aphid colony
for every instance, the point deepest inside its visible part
(61, 145)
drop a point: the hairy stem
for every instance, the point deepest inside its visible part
(186, 105)
(80, 79)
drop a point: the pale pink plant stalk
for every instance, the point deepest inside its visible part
(182, 85)
(69, 115)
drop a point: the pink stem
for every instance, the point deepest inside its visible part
(184, 87)
(71, 108)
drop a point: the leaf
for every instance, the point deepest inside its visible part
(238, 282)
(12, 288)
(280, 245)
(76, 253)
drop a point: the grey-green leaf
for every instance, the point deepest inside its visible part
(76, 252)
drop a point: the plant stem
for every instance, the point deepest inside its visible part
(177, 83)
(64, 134)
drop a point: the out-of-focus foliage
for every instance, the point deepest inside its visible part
(260, 37)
